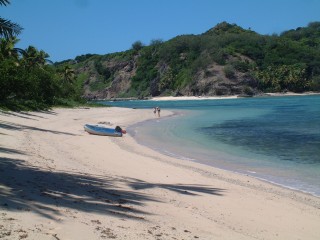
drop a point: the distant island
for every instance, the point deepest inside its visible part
(225, 60)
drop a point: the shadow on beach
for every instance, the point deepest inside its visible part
(27, 115)
(47, 193)
(20, 127)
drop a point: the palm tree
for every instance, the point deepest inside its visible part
(30, 55)
(8, 29)
(33, 57)
(7, 48)
(68, 74)
(43, 58)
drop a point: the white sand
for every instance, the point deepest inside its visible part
(191, 98)
(58, 182)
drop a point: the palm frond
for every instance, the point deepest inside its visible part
(9, 29)
(19, 51)
(4, 2)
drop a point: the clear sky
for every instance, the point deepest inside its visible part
(68, 28)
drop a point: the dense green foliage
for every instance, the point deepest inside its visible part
(28, 80)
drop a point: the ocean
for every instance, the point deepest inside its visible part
(276, 139)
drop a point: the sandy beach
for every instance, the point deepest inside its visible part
(170, 98)
(59, 182)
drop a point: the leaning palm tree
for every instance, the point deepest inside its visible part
(43, 58)
(8, 29)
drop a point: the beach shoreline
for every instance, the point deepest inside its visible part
(132, 128)
(58, 182)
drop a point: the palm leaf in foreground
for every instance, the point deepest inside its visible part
(9, 29)
(4, 2)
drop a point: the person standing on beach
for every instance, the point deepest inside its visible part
(158, 110)
(155, 111)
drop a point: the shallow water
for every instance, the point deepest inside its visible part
(275, 138)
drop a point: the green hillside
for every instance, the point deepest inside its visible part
(225, 60)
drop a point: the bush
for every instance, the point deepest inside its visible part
(240, 66)
(138, 45)
(248, 91)
(229, 71)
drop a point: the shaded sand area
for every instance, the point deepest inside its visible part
(58, 182)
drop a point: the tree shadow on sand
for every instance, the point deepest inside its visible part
(28, 188)
(11, 151)
(27, 115)
(192, 190)
(20, 127)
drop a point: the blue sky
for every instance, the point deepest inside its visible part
(68, 28)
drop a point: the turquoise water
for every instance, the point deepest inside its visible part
(276, 138)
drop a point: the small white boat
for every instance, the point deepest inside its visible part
(103, 131)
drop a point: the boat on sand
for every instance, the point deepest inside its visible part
(103, 131)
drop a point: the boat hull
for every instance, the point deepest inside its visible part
(102, 131)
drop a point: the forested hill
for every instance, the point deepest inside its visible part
(225, 60)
